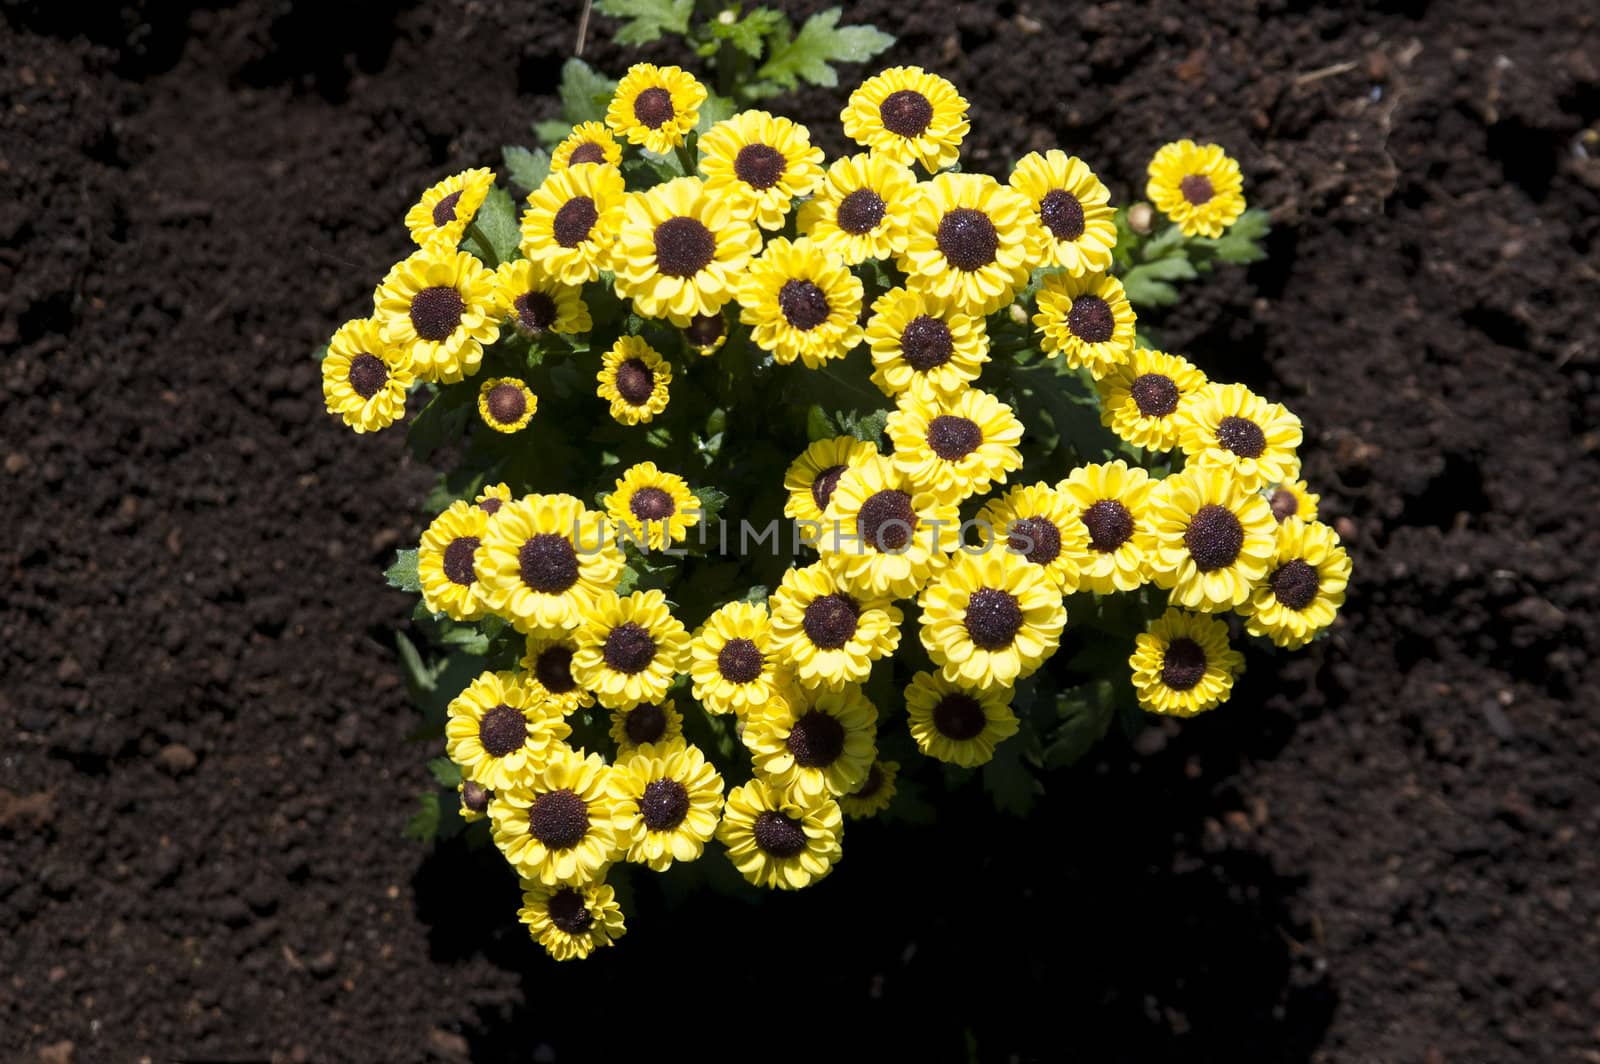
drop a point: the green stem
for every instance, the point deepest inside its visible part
(483, 242)
(686, 157)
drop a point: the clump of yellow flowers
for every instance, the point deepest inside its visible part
(779, 473)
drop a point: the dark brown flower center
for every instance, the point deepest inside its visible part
(860, 211)
(967, 239)
(959, 717)
(886, 521)
(457, 565)
(1214, 537)
(636, 382)
(779, 835)
(569, 912)
(1241, 436)
(684, 247)
(559, 819)
(822, 487)
(536, 311)
(507, 403)
(993, 618)
(1196, 188)
(1090, 319)
(1154, 394)
(367, 375)
(475, 796)
(759, 166)
(663, 805)
(1062, 214)
(587, 152)
(1045, 535)
(926, 343)
(491, 505)
(653, 107)
(804, 305)
(1284, 504)
(629, 648)
(444, 212)
(830, 620)
(1109, 523)
(906, 113)
(873, 784)
(553, 669)
(705, 329)
(548, 563)
(739, 661)
(816, 739)
(1295, 584)
(953, 438)
(573, 221)
(645, 723)
(1183, 665)
(502, 730)
(436, 311)
(652, 504)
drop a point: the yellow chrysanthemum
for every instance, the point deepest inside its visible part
(547, 668)
(630, 649)
(811, 478)
(669, 800)
(1074, 221)
(535, 303)
(500, 731)
(781, 839)
(656, 107)
(883, 535)
(706, 333)
(1292, 498)
(1304, 585)
(506, 404)
(364, 377)
(573, 921)
(646, 724)
(759, 163)
(545, 559)
(492, 497)
(1182, 664)
(874, 794)
(908, 115)
(970, 242)
(681, 253)
(802, 303)
(589, 142)
(443, 213)
(821, 742)
(438, 306)
(1196, 185)
(734, 660)
(633, 379)
(1211, 539)
(991, 619)
(1087, 320)
(474, 801)
(1229, 427)
(653, 507)
(555, 825)
(1141, 400)
(571, 221)
(957, 722)
(827, 634)
(955, 447)
(1039, 525)
(923, 345)
(862, 210)
(447, 562)
(1113, 509)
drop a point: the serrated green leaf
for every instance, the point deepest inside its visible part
(1009, 779)
(1145, 291)
(1084, 723)
(1242, 241)
(495, 231)
(715, 109)
(447, 772)
(819, 426)
(403, 573)
(712, 502)
(866, 427)
(748, 34)
(585, 94)
(1163, 243)
(424, 823)
(810, 54)
(644, 21)
(551, 131)
(527, 169)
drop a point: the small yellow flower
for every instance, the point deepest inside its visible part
(506, 404)
(492, 497)
(544, 561)
(633, 379)
(828, 635)
(474, 799)
(802, 303)
(1212, 539)
(1304, 586)
(681, 253)
(547, 667)
(1113, 511)
(500, 732)
(589, 142)
(1197, 186)
(811, 478)
(1075, 223)
(970, 242)
(1229, 427)
(991, 619)
(759, 163)
(1041, 526)
(1182, 664)
(734, 660)
(821, 742)
(874, 794)
(657, 724)
(923, 345)
(630, 649)
(862, 210)
(364, 377)
(555, 825)
(438, 306)
(1087, 320)
(781, 839)
(955, 447)
(572, 220)
(1292, 498)
(669, 800)
(443, 213)
(883, 535)
(447, 562)
(653, 507)
(957, 722)
(572, 921)
(1142, 400)
(535, 303)
(908, 115)
(656, 107)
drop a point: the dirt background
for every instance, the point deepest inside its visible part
(1383, 849)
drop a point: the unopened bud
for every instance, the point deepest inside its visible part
(727, 18)
(474, 796)
(1019, 313)
(1141, 218)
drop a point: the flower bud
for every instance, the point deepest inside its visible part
(1141, 218)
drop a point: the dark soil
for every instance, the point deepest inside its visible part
(1383, 849)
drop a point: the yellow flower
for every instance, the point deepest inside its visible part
(506, 404)
(1041, 526)
(1292, 498)
(862, 210)
(1212, 539)
(589, 142)
(571, 221)
(1229, 427)
(364, 377)
(475, 798)
(1142, 400)
(545, 559)
(1197, 186)
(874, 795)
(811, 478)
(802, 303)
(669, 799)
(447, 562)
(1075, 223)
(734, 660)
(828, 635)
(646, 724)
(555, 825)
(955, 447)
(656, 107)
(991, 619)
(958, 723)
(536, 303)
(500, 732)
(883, 535)
(443, 213)
(547, 667)
(1088, 320)
(491, 498)
(1182, 664)
(681, 253)
(653, 507)
(630, 649)
(924, 345)
(822, 742)
(778, 839)
(1304, 585)
(706, 333)
(759, 164)
(969, 242)
(438, 306)
(633, 379)
(573, 921)
(908, 115)
(1113, 509)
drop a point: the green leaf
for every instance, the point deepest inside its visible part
(644, 21)
(442, 420)
(552, 131)
(585, 94)
(747, 34)
(1084, 723)
(403, 573)
(495, 232)
(711, 503)
(819, 426)
(715, 109)
(320, 353)
(1009, 779)
(424, 823)
(447, 772)
(420, 678)
(1148, 284)
(866, 427)
(811, 53)
(527, 169)
(1242, 242)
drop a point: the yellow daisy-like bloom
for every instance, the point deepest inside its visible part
(802, 302)
(572, 921)
(447, 562)
(958, 723)
(1113, 509)
(653, 507)
(555, 825)
(811, 478)
(1182, 664)
(492, 497)
(827, 634)
(364, 377)
(1212, 539)
(923, 345)
(874, 794)
(781, 839)
(862, 210)
(759, 163)
(589, 142)
(734, 660)
(547, 669)
(970, 242)
(656, 107)
(1304, 586)
(630, 649)
(1087, 320)
(633, 379)
(669, 799)
(822, 742)
(1039, 525)
(955, 447)
(908, 115)
(506, 404)
(499, 731)
(571, 221)
(1142, 400)
(545, 559)
(1197, 186)
(646, 724)
(706, 333)
(535, 303)
(1075, 223)
(681, 253)
(1230, 427)
(439, 307)
(443, 213)
(991, 619)
(475, 798)
(1292, 498)
(884, 536)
